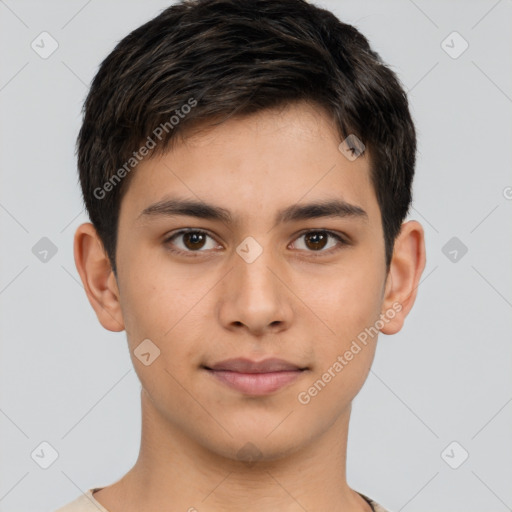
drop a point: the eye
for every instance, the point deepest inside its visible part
(190, 240)
(318, 241)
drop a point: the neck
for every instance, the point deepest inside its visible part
(172, 468)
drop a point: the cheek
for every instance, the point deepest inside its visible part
(351, 308)
(357, 311)
(169, 312)
(354, 300)
(344, 358)
(153, 296)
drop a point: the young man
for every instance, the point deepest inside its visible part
(247, 168)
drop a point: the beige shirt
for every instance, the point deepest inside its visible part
(87, 503)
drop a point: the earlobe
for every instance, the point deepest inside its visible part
(405, 271)
(97, 277)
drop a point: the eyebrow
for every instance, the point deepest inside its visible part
(186, 207)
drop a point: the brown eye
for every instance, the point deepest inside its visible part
(190, 241)
(316, 240)
(319, 241)
(194, 240)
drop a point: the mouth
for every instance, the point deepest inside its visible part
(256, 378)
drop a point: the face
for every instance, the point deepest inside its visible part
(252, 271)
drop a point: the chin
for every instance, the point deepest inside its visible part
(255, 446)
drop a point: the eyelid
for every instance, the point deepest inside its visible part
(169, 238)
(183, 231)
(342, 239)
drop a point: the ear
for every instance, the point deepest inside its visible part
(407, 265)
(99, 281)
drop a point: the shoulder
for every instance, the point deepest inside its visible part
(375, 506)
(84, 503)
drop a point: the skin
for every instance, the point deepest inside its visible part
(301, 302)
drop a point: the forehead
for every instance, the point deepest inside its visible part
(259, 163)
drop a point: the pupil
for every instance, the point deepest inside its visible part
(317, 240)
(194, 240)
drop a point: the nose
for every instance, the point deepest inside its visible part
(253, 297)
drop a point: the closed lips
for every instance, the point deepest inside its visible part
(243, 365)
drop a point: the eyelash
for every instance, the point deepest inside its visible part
(193, 254)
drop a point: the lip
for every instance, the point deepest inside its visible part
(255, 378)
(243, 365)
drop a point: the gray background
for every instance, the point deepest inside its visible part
(445, 377)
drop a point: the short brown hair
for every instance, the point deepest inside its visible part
(214, 59)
